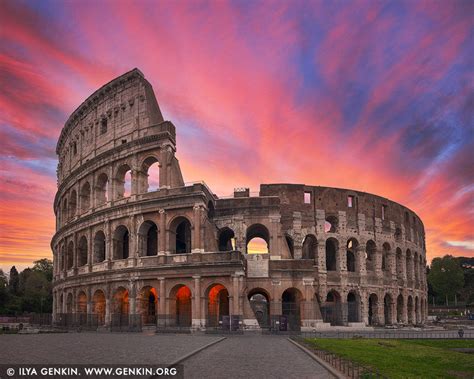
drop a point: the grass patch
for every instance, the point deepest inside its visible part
(404, 358)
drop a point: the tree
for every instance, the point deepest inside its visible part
(44, 266)
(446, 276)
(3, 292)
(14, 281)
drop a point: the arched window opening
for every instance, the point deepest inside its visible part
(310, 246)
(258, 239)
(103, 126)
(70, 255)
(82, 303)
(121, 243)
(387, 309)
(400, 309)
(147, 305)
(331, 254)
(373, 304)
(151, 170)
(148, 239)
(73, 204)
(98, 307)
(69, 303)
(350, 261)
(352, 307)
(210, 210)
(217, 305)
(182, 230)
(386, 257)
(291, 245)
(409, 265)
(398, 234)
(331, 311)
(410, 310)
(99, 247)
(399, 263)
(291, 304)
(102, 189)
(65, 214)
(120, 303)
(82, 250)
(259, 303)
(331, 224)
(351, 254)
(370, 251)
(183, 306)
(226, 239)
(123, 181)
(85, 197)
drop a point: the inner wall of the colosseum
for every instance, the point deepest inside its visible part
(330, 256)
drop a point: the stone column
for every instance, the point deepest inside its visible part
(196, 240)
(297, 238)
(235, 294)
(161, 319)
(90, 250)
(196, 312)
(162, 248)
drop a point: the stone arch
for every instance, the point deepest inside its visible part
(148, 239)
(353, 306)
(310, 247)
(82, 251)
(399, 263)
(121, 242)
(180, 235)
(331, 224)
(120, 301)
(259, 300)
(148, 304)
(416, 267)
(400, 305)
(218, 307)
(291, 300)
(69, 303)
(64, 211)
(254, 232)
(332, 259)
(409, 265)
(331, 311)
(181, 306)
(85, 197)
(98, 306)
(417, 310)
(373, 309)
(388, 309)
(370, 253)
(150, 175)
(210, 210)
(226, 239)
(82, 303)
(290, 244)
(99, 247)
(410, 309)
(102, 189)
(70, 255)
(123, 181)
(73, 204)
(386, 257)
(351, 255)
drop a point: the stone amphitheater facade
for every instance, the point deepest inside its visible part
(178, 255)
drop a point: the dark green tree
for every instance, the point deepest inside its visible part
(3, 292)
(446, 276)
(14, 281)
(44, 266)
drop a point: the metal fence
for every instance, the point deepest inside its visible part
(224, 324)
(394, 334)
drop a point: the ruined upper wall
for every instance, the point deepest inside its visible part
(121, 111)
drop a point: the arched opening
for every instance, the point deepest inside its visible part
(260, 305)
(183, 306)
(400, 309)
(331, 254)
(70, 255)
(148, 239)
(370, 252)
(120, 303)
(102, 189)
(373, 304)
(82, 251)
(65, 214)
(399, 263)
(291, 245)
(409, 265)
(351, 254)
(69, 304)
(257, 239)
(410, 310)
(82, 308)
(331, 311)
(331, 224)
(181, 231)
(147, 305)
(416, 266)
(99, 247)
(226, 239)
(123, 181)
(85, 197)
(217, 305)
(151, 175)
(98, 307)
(386, 257)
(121, 243)
(352, 307)
(417, 310)
(72, 204)
(210, 210)
(291, 308)
(310, 247)
(387, 309)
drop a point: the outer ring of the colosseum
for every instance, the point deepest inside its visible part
(177, 254)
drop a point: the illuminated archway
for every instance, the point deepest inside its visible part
(217, 305)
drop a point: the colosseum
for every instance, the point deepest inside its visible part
(132, 251)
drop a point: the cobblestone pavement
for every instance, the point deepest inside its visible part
(97, 348)
(256, 356)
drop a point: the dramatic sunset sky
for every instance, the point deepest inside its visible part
(376, 96)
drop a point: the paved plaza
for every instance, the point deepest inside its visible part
(254, 356)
